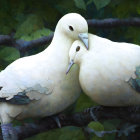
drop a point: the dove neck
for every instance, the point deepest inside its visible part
(61, 41)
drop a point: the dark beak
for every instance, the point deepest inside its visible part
(70, 65)
(84, 38)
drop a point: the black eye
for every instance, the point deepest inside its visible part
(71, 28)
(78, 48)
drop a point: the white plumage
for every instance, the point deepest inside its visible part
(108, 71)
(39, 81)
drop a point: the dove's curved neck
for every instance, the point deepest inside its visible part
(61, 40)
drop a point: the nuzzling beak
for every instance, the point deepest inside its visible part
(70, 65)
(84, 38)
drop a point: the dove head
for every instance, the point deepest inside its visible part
(76, 52)
(74, 26)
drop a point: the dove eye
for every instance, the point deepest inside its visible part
(71, 28)
(78, 48)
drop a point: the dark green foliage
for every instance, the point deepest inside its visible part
(83, 103)
(7, 55)
(32, 19)
(101, 3)
(66, 133)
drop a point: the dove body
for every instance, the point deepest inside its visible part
(36, 86)
(108, 71)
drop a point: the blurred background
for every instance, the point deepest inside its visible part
(32, 19)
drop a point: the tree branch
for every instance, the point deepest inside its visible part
(80, 119)
(114, 22)
(24, 46)
(6, 40)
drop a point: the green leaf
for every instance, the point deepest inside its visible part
(132, 34)
(65, 7)
(111, 124)
(9, 54)
(84, 102)
(42, 32)
(80, 4)
(89, 2)
(138, 7)
(3, 64)
(97, 126)
(37, 34)
(65, 133)
(101, 3)
(71, 133)
(30, 25)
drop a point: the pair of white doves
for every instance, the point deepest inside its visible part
(37, 86)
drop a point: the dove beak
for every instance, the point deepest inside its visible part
(84, 38)
(70, 65)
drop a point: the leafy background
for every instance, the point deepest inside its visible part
(31, 19)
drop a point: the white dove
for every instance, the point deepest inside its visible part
(36, 86)
(109, 71)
